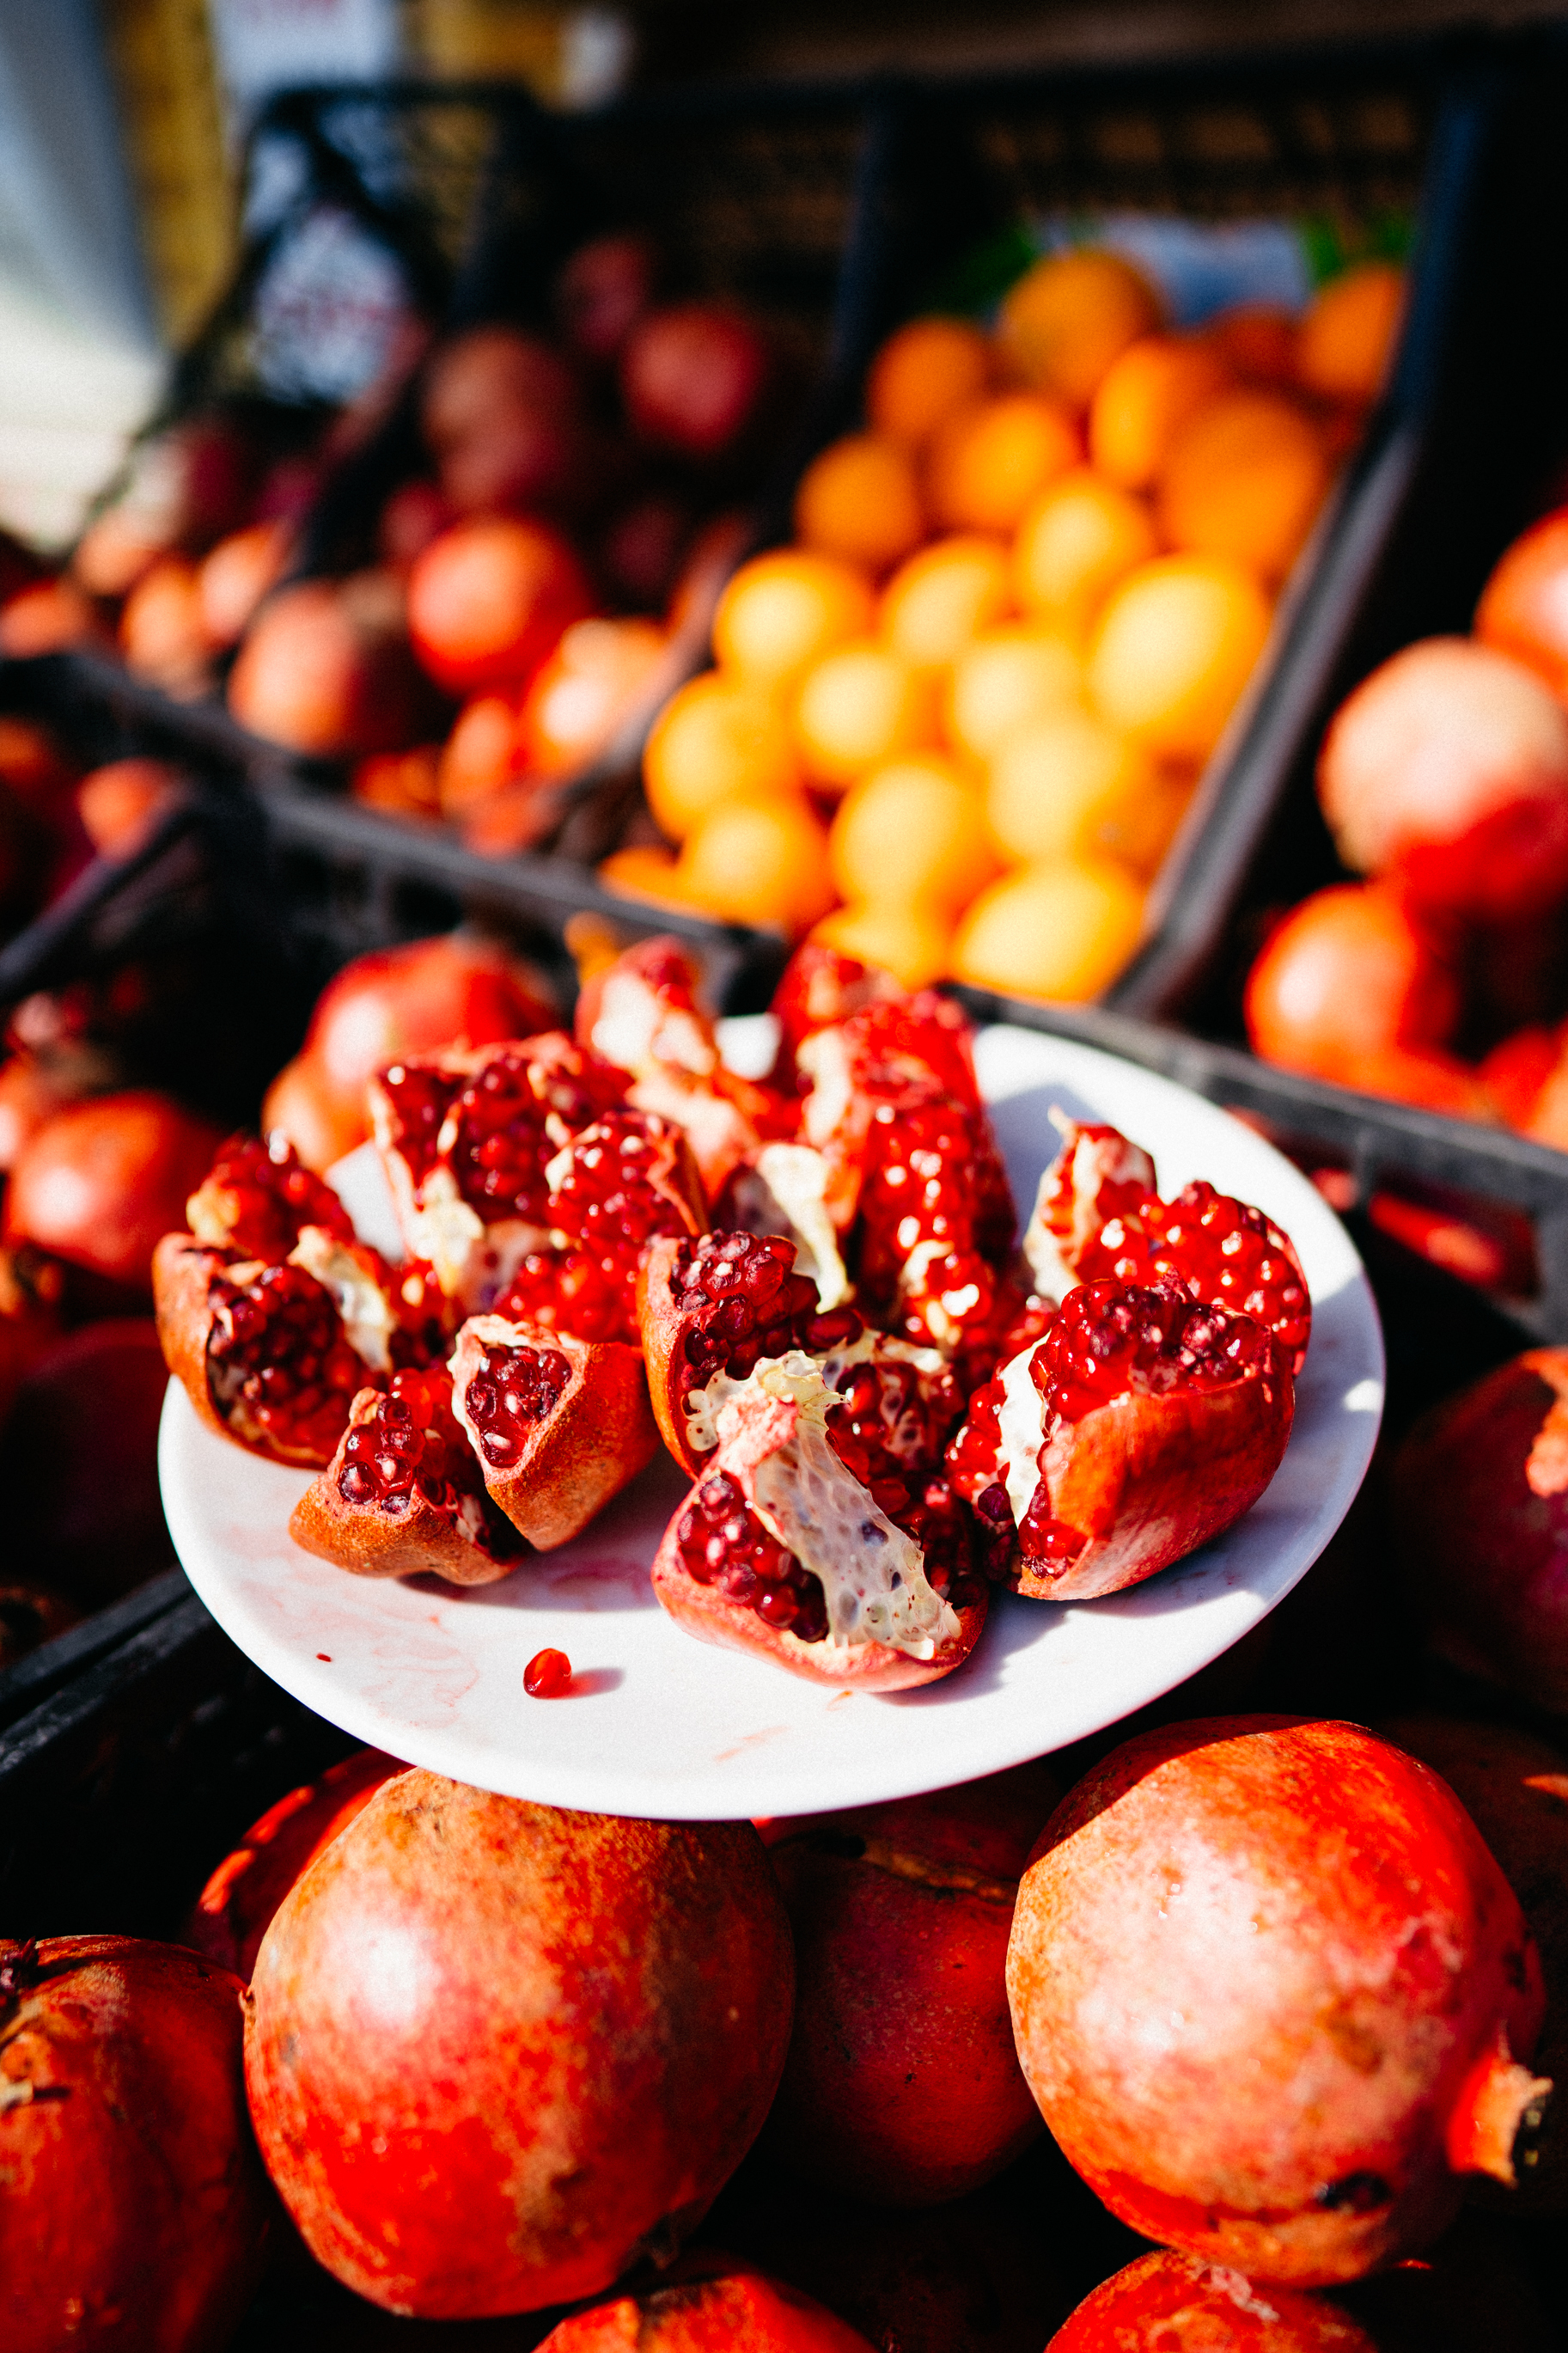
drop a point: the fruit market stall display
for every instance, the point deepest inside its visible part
(466, 1377)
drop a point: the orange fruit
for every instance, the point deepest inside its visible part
(1078, 540)
(1244, 478)
(1346, 340)
(1256, 341)
(1061, 928)
(1174, 646)
(1004, 678)
(600, 673)
(758, 861)
(1145, 397)
(946, 594)
(479, 755)
(859, 500)
(716, 738)
(990, 459)
(1070, 315)
(643, 872)
(905, 937)
(913, 830)
(1066, 785)
(782, 610)
(922, 373)
(860, 705)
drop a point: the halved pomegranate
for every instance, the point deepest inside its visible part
(1088, 1225)
(404, 1492)
(558, 1425)
(811, 1542)
(263, 1352)
(1137, 1428)
(257, 1198)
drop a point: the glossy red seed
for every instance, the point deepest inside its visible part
(547, 1675)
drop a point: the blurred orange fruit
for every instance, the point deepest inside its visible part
(1078, 540)
(480, 756)
(236, 575)
(859, 500)
(1346, 340)
(45, 617)
(1244, 478)
(1070, 315)
(598, 675)
(922, 373)
(941, 597)
(783, 610)
(404, 784)
(1061, 928)
(1066, 784)
(162, 634)
(1174, 646)
(905, 937)
(989, 460)
(759, 862)
(1144, 398)
(913, 829)
(643, 872)
(861, 704)
(1256, 341)
(717, 737)
(118, 803)
(1004, 678)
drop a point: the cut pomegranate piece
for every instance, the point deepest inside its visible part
(1216, 1249)
(466, 1138)
(818, 988)
(642, 1013)
(557, 1425)
(257, 1198)
(717, 1304)
(781, 1549)
(263, 1353)
(616, 1188)
(403, 1494)
(936, 1229)
(1139, 1428)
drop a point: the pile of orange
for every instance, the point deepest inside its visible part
(953, 728)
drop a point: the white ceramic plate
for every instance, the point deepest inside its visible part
(661, 1725)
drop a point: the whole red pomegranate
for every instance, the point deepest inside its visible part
(742, 2312)
(1523, 609)
(234, 1909)
(101, 1181)
(1480, 1491)
(1349, 974)
(901, 2084)
(489, 599)
(79, 1460)
(693, 378)
(1448, 768)
(1272, 1992)
(325, 669)
(603, 291)
(405, 1000)
(496, 2051)
(1515, 1789)
(501, 417)
(135, 2212)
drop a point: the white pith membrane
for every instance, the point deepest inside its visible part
(784, 1192)
(1021, 1418)
(638, 1028)
(473, 1262)
(944, 1311)
(1092, 1162)
(873, 1573)
(366, 1311)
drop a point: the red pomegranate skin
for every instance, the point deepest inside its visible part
(1169, 2302)
(742, 2314)
(1267, 2022)
(134, 2213)
(103, 1181)
(1479, 1496)
(234, 1909)
(693, 377)
(902, 2085)
(79, 1458)
(495, 2051)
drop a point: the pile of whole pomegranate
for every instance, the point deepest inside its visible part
(808, 1287)
(1439, 979)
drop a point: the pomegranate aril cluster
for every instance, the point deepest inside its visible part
(277, 1344)
(1110, 1337)
(724, 1543)
(1215, 1248)
(889, 1431)
(504, 1146)
(749, 1303)
(514, 1390)
(268, 1196)
(420, 1099)
(411, 1440)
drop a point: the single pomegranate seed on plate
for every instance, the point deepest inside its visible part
(547, 1675)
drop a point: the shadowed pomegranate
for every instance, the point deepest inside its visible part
(743, 2312)
(231, 1914)
(1267, 2024)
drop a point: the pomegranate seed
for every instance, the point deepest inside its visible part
(547, 1675)
(514, 1390)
